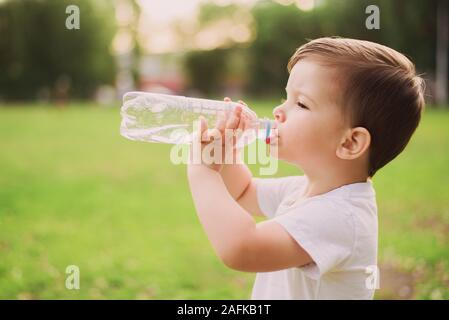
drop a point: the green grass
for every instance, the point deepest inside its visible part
(73, 191)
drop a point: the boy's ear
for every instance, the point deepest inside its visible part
(354, 143)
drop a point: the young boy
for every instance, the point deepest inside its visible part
(351, 108)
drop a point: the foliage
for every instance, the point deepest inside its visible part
(407, 26)
(38, 54)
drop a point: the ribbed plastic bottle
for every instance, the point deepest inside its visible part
(162, 118)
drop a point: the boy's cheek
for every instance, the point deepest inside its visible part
(304, 149)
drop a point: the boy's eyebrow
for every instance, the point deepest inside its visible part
(300, 93)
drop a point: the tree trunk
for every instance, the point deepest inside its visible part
(442, 53)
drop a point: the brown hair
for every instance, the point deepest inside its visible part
(381, 91)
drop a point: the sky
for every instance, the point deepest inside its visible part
(164, 11)
(167, 10)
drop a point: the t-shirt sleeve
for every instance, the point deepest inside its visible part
(325, 230)
(271, 192)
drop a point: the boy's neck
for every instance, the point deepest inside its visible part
(317, 184)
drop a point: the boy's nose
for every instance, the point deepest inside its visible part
(278, 114)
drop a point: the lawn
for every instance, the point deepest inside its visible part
(74, 192)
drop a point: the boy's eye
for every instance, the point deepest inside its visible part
(301, 105)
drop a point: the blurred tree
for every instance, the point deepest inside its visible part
(39, 56)
(280, 30)
(210, 12)
(441, 90)
(206, 70)
(127, 48)
(407, 26)
(210, 71)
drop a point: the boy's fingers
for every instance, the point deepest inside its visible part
(246, 123)
(242, 102)
(214, 134)
(234, 119)
(242, 123)
(221, 120)
(202, 128)
(239, 131)
(206, 134)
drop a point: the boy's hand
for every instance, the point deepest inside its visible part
(217, 146)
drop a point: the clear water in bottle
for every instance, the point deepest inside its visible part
(163, 118)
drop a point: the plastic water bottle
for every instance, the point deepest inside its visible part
(163, 118)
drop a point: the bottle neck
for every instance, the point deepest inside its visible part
(262, 123)
(264, 127)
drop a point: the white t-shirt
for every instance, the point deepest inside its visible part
(338, 230)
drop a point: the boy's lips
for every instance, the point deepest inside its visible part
(274, 135)
(274, 140)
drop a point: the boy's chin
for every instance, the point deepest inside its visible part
(274, 152)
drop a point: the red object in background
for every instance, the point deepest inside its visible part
(174, 85)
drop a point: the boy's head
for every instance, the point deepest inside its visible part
(351, 104)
